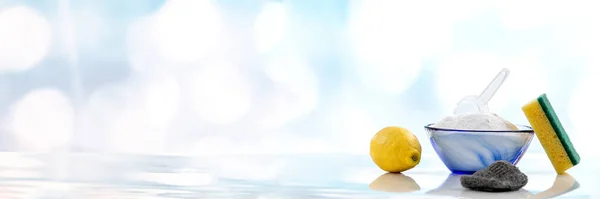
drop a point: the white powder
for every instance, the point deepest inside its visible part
(475, 121)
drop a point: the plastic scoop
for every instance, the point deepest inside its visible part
(475, 104)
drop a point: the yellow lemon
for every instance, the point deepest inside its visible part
(395, 149)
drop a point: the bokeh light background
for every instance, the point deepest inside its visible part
(200, 77)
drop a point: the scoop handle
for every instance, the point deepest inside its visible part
(491, 89)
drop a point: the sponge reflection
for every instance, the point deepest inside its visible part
(452, 187)
(563, 184)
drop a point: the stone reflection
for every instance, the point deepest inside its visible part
(452, 187)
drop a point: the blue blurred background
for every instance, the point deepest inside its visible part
(200, 77)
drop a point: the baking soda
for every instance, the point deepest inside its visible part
(475, 121)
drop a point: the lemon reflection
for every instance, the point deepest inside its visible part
(564, 183)
(452, 187)
(394, 182)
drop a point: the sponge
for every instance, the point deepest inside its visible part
(552, 135)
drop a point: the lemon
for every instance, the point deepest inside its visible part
(395, 149)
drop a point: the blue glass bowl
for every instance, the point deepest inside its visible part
(466, 151)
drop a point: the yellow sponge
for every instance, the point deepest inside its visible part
(552, 136)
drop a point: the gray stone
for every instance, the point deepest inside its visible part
(501, 176)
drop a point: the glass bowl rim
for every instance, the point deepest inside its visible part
(528, 130)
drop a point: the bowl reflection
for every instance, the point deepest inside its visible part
(394, 182)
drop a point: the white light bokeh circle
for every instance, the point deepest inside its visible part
(104, 104)
(291, 141)
(593, 64)
(582, 112)
(43, 120)
(400, 26)
(531, 14)
(361, 131)
(270, 26)
(24, 38)
(586, 44)
(389, 76)
(573, 28)
(220, 93)
(161, 96)
(518, 14)
(389, 42)
(296, 90)
(91, 28)
(350, 127)
(186, 29)
(303, 145)
(110, 99)
(453, 11)
(130, 134)
(212, 145)
(142, 47)
(134, 115)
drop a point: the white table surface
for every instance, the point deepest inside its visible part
(265, 177)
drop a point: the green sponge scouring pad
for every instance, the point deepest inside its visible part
(552, 135)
